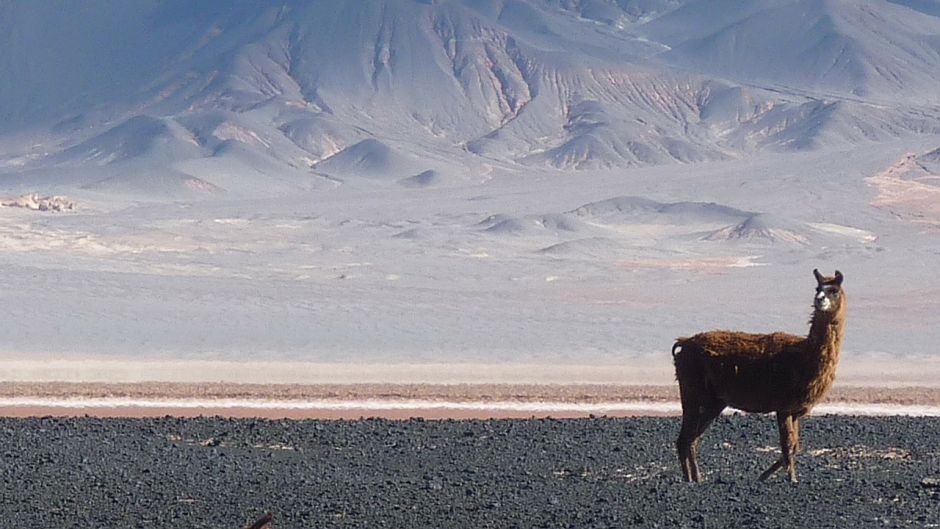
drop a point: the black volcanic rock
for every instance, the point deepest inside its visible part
(218, 473)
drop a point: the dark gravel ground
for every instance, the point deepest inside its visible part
(224, 473)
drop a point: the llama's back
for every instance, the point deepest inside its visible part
(742, 346)
(749, 371)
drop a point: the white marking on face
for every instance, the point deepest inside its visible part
(824, 297)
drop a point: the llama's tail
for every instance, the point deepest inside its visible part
(680, 357)
(677, 347)
(684, 351)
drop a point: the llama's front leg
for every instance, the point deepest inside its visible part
(789, 442)
(794, 442)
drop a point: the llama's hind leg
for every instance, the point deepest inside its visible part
(695, 420)
(684, 446)
(789, 429)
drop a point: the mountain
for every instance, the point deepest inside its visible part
(877, 50)
(269, 97)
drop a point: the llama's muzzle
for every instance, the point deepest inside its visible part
(822, 302)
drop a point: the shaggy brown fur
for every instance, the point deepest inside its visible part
(759, 373)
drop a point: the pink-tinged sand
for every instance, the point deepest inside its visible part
(401, 401)
(305, 390)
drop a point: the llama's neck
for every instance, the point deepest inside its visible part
(825, 334)
(824, 343)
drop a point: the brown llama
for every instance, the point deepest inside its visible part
(760, 373)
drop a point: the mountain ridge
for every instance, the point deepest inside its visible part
(549, 85)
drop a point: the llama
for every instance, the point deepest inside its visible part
(759, 373)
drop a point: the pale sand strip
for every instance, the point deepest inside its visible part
(568, 393)
(390, 409)
(290, 414)
(386, 408)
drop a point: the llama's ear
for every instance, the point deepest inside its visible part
(839, 278)
(819, 277)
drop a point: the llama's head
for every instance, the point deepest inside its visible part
(829, 297)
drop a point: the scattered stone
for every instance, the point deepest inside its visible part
(930, 483)
(35, 202)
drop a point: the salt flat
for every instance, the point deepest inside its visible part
(503, 271)
(397, 275)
